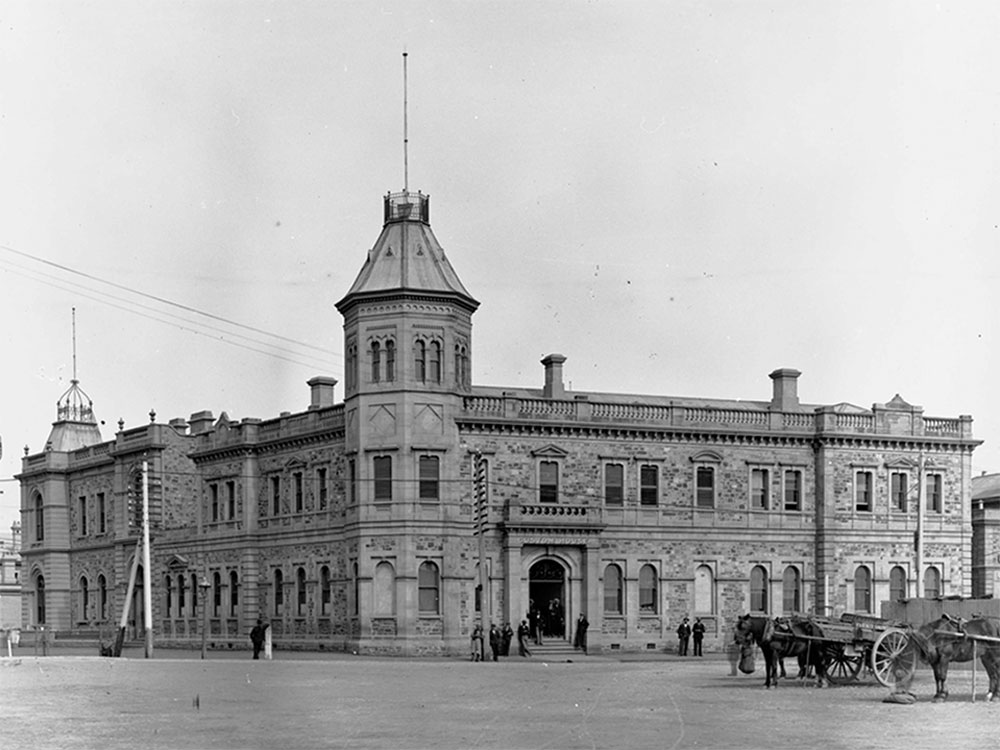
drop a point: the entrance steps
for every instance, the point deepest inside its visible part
(555, 650)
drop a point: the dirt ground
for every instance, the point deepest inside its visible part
(175, 701)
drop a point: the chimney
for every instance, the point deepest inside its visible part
(201, 421)
(786, 395)
(554, 387)
(321, 389)
(180, 425)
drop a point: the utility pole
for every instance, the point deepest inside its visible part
(919, 539)
(479, 474)
(147, 593)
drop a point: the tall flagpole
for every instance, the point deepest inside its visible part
(406, 139)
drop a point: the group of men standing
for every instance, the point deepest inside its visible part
(685, 631)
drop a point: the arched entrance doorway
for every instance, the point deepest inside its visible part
(547, 594)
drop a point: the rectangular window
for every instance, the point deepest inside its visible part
(275, 496)
(934, 498)
(430, 476)
(548, 482)
(760, 489)
(705, 486)
(102, 525)
(230, 500)
(614, 480)
(83, 516)
(298, 492)
(321, 481)
(793, 489)
(382, 467)
(898, 489)
(214, 490)
(863, 481)
(649, 484)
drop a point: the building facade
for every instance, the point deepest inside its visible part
(352, 524)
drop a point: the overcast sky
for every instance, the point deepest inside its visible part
(679, 197)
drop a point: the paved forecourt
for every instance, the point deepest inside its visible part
(362, 702)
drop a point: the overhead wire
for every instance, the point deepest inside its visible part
(185, 325)
(191, 326)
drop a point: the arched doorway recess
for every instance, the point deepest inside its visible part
(547, 593)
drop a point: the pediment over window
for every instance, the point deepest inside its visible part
(845, 408)
(707, 457)
(550, 451)
(901, 463)
(176, 562)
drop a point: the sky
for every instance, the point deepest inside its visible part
(680, 197)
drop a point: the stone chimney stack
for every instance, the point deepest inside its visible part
(321, 389)
(201, 421)
(786, 390)
(554, 387)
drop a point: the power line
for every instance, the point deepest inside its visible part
(160, 299)
(58, 282)
(188, 328)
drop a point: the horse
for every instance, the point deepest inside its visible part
(778, 639)
(938, 648)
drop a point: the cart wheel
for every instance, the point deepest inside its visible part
(841, 667)
(894, 659)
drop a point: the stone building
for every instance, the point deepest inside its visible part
(986, 536)
(351, 524)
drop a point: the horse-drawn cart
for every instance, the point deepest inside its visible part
(844, 646)
(856, 642)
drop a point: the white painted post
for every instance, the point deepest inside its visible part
(267, 642)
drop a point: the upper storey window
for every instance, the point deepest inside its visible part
(864, 482)
(376, 361)
(548, 482)
(383, 361)
(461, 365)
(427, 361)
(351, 367)
(420, 361)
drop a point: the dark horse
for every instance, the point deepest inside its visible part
(777, 639)
(944, 641)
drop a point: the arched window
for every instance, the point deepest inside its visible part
(169, 591)
(39, 519)
(932, 583)
(435, 374)
(613, 590)
(647, 589)
(326, 592)
(390, 361)
(351, 367)
(194, 595)
(791, 590)
(428, 589)
(300, 592)
(897, 584)
(420, 360)
(385, 589)
(279, 592)
(704, 589)
(862, 589)
(180, 595)
(758, 590)
(234, 593)
(356, 603)
(102, 594)
(84, 598)
(376, 361)
(40, 599)
(216, 594)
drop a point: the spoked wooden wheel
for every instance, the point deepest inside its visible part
(894, 658)
(843, 663)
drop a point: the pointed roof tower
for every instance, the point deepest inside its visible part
(75, 425)
(407, 258)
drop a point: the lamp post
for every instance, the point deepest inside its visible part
(204, 585)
